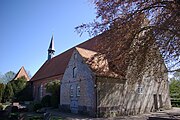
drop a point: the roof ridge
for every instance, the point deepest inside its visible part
(50, 67)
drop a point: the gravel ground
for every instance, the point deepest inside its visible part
(173, 114)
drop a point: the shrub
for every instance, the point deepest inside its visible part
(46, 101)
(1, 107)
(8, 93)
(1, 91)
(54, 101)
(53, 88)
(30, 106)
(36, 118)
(14, 116)
(175, 103)
(14, 109)
(37, 106)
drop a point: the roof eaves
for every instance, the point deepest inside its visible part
(46, 77)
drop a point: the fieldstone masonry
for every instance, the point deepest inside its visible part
(85, 103)
(108, 96)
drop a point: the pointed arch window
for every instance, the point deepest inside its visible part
(41, 91)
(74, 72)
(71, 91)
(78, 91)
(75, 56)
(140, 89)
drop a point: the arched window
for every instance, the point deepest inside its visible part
(41, 91)
(75, 56)
(140, 89)
(71, 91)
(78, 90)
(74, 72)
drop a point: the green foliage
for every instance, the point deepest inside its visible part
(26, 93)
(55, 101)
(18, 85)
(7, 77)
(17, 90)
(37, 106)
(21, 89)
(30, 106)
(1, 78)
(177, 75)
(175, 88)
(55, 118)
(1, 107)
(36, 118)
(1, 91)
(54, 89)
(8, 93)
(175, 102)
(14, 109)
(46, 101)
(14, 116)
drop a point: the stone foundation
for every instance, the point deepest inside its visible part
(83, 110)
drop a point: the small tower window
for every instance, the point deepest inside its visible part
(75, 56)
(74, 72)
(71, 91)
(78, 90)
(140, 89)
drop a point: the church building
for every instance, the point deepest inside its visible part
(89, 85)
(21, 73)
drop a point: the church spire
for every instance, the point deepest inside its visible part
(51, 49)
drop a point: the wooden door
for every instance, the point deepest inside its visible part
(73, 99)
(155, 102)
(74, 106)
(160, 101)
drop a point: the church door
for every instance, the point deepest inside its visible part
(74, 106)
(155, 102)
(73, 99)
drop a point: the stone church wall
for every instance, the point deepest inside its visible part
(141, 92)
(39, 87)
(119, 99)
(70, 100)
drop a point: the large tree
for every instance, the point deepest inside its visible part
(7, 77)
(18, 86)
(127, 19)
(175, 86)
(8, 93)
(1, 91)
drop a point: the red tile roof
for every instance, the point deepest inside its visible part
(57, 65)
(98, 63)
(22, 72)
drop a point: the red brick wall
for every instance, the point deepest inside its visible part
(43, 82)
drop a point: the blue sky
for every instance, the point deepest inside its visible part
(26, 27)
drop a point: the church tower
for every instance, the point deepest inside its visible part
(51, 49)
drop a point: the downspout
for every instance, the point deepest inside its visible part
(96, 97)
(60, 96)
